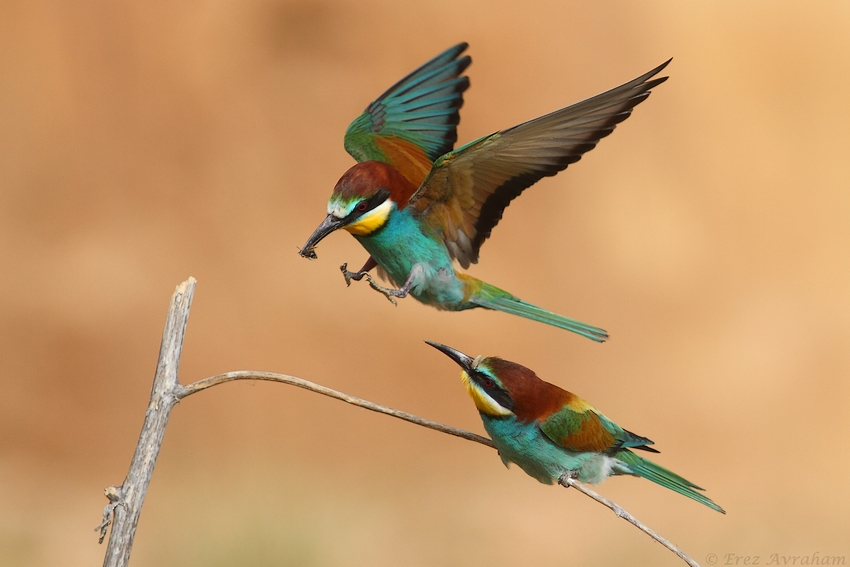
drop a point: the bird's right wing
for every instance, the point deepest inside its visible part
(415, 121)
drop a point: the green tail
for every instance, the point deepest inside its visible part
(491, 297)
(668, 479)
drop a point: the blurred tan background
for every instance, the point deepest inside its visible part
(141, 143)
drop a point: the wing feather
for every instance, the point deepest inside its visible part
(579, 427)
(578, 430)
(475, 183)
(415, 121)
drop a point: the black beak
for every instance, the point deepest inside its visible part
(463, 360)
(330, 224)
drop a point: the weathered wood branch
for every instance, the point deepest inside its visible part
(325, 391)
(125, 501)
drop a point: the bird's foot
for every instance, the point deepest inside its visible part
(356, 276)
(389, 293)
(564, 479)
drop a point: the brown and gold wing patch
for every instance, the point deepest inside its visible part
(578, 431)
(406, 157)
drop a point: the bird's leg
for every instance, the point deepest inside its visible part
(402, 292)
(389, 293)
(363, 273)
(357, 276)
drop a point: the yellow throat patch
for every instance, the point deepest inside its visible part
(483, 402)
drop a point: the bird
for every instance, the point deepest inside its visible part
(417, 206)
(550, 432)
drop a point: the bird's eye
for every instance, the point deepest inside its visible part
(487, 382)
(361, 206)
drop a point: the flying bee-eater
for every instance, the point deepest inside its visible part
(550, 432)
(416, 206)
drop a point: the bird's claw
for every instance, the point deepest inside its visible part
(564, 479)
(390, 294)
(348, 275)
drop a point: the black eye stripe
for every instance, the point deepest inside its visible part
(484, 380)
(372, 202)
(498, 394)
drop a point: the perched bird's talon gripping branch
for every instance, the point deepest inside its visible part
(417, 205)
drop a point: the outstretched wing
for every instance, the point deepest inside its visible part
(578, 427)
(415, 121)
(468, 189)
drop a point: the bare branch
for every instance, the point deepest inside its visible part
(325, 391)
(125, 501)
(567, 481)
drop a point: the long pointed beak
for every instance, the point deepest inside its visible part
(463, 360)
(330, 224)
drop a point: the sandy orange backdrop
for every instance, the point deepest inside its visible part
(141, 143)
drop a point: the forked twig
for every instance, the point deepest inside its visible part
(126, 501)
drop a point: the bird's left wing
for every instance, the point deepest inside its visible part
(415, 121)
(468, 189)
(579, 427)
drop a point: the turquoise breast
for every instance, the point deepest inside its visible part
(400, 244)
(527, 446)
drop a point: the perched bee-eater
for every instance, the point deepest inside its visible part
(416, 206)
(550, 432)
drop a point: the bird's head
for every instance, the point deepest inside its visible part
(500, 387)
(489, 392)
(362, 201)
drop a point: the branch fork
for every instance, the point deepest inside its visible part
(125, 501)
